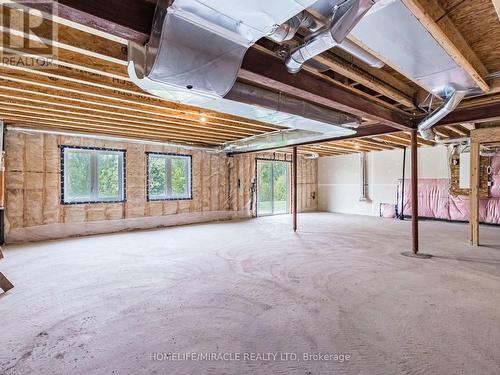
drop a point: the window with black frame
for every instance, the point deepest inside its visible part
(92, 175)
(169, 176)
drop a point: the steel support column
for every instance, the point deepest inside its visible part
(294, 188)
(414, 191)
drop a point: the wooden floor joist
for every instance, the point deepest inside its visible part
(87, 85)
(424, 17)
(71, 111)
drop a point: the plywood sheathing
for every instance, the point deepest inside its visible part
(478, 23)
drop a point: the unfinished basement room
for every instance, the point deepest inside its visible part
(193, 187)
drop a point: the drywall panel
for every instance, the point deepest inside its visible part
(339, 178)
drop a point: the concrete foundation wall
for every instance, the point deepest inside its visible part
(339, 178)
(221, 190)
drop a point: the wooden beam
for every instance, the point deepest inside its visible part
(109, 97)
(407, 137)
(486, 135)
(434, 9)
(379, 82)
(351, 71)
(353, 146)
(170, 129)
(337, 146)
(474, 192)
(393, 139)
(460, 130)
(423, 16)
(373, 143)
(445, 132)
(92, 113)
(269, 71)
(99, 128)
(365, 145)
(479, 113)
(68, 38)
(381, 143)
(128, 19)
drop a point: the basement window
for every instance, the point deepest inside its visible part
(92, 175)
(169, 176)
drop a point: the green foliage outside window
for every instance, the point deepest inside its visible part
(272, 187)
(280, 181)
(157, 176)
(108, 175)
(92, 175)
(169, 176)
(78, 175)
(179, 186)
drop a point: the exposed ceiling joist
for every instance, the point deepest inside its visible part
(458, 130)
(268, 71)
(443, 131)
(434, 9)
(68, 38)
(90, 80)
(356, 145)
(424, 17)
(373, 143)
(403, 94)
(394, 142)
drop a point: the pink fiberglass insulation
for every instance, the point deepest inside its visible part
(435, 201)
(433, 198)
(495, 177)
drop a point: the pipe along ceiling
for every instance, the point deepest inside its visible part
(196, 49)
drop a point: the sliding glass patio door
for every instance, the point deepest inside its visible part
(273, 187)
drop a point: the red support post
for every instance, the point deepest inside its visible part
(414, 191)
(294, 188)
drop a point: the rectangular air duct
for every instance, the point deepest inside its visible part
(194, 55)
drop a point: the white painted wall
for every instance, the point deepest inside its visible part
(339, 178)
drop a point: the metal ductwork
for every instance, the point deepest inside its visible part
(363, 178)
(360, 54)
(346, 14)
(194, 54)
(196, 46)
(452, 100)
(391, 32)
(304, 121)
(287, 30)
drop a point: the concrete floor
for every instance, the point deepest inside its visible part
(104, 304)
